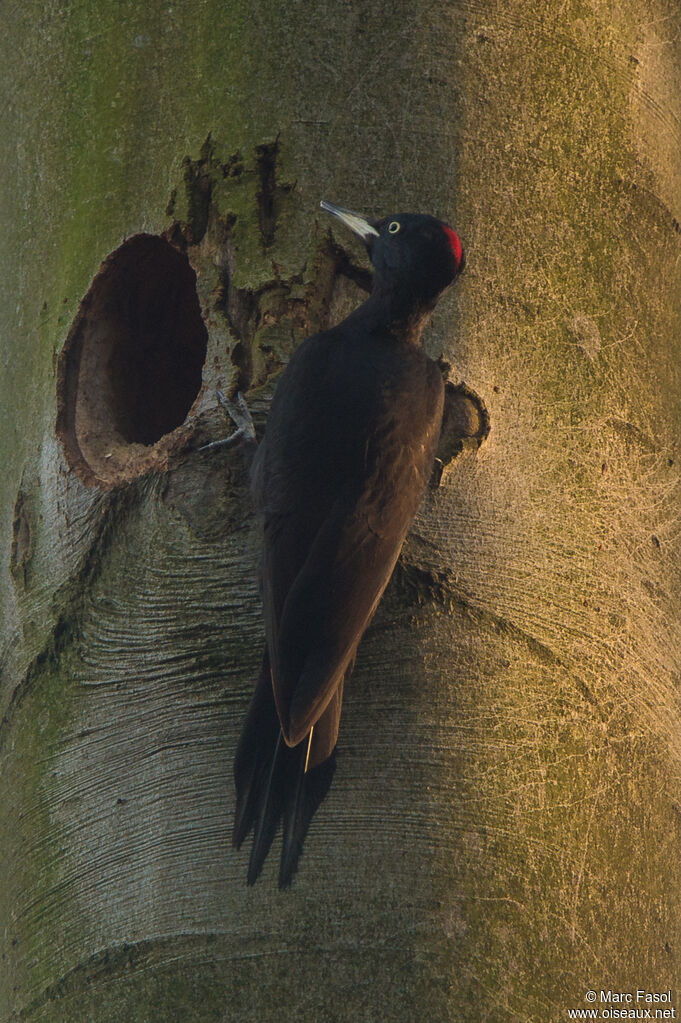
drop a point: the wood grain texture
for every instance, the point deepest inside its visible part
(503, 829)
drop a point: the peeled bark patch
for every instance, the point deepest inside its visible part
(131, 367)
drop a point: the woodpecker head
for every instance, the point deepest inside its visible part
(412, 253)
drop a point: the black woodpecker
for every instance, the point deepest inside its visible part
(348, 451)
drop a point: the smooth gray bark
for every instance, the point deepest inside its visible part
(504, 826)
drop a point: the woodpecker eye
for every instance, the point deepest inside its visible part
(393, 227)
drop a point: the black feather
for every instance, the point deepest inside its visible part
(270, 805)
(271, 781)
(304, 793)
(348, 452)
(254, 755)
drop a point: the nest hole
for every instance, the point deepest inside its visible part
(131, 367)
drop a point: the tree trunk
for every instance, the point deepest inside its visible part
(503, 830)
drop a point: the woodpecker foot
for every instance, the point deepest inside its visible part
(240, 416)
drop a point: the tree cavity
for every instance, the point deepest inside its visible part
(131, 367)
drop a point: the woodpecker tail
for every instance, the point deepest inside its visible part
(304, 793)
(275, 781)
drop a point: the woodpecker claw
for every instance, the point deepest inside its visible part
(240, 416)
(239, 413)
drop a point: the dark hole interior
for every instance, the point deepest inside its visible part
(131, 367)
(157, 339)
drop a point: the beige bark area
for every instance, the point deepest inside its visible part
(503, 830)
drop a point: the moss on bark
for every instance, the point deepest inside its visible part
(503, 831)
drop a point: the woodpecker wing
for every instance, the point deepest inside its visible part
(321, 588)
